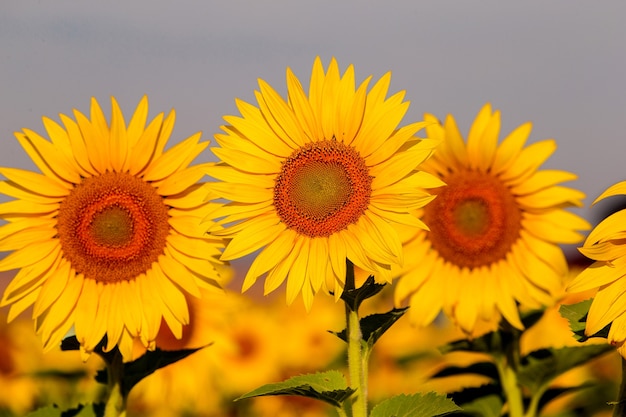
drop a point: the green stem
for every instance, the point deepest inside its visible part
(341, 412)
(511, 389)
(116, 400)
(620, 405)
(358, 379)
(533, 407)
(357, 356)
(507, 361)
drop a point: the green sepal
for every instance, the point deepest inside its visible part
(375, 325)
(487, 369)
(145, 365)
(576, 315)
(353, 297)
(539, 368)
(89, 410)
(330, 387)
(415, 405)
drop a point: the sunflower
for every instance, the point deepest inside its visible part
(318, 179)
(494, 228)
(605, 245)
(106, 237)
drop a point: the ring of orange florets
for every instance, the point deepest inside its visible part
(322, 188)
(474, 220)
(112, 227)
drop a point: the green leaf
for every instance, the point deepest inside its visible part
(89, 410)
(416, 405)
(487, 406)
(553, 393)
(487, 369)
(488, 343)
(330, 387)
(540, 367)
(576, 315)
(49, 411)
(470, 395)
(375, 325)
(353, 297)
(530, 318)
(145, 365)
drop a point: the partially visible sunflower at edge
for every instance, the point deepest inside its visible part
(320, 178)
(106, 237)
(606, 246)
(495, 228)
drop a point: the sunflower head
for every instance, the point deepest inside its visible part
(605, 246)
(106, 236)
(494, 227)
(320, 178)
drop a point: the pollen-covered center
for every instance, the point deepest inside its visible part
(474, 220)
(113, 227)
(322, 188)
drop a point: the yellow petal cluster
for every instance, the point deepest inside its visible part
(105, 238)
(495, 228)
(318, 178)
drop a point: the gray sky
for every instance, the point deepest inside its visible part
(559, 63)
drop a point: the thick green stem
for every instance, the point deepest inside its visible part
(116, 400)
(512, 390)
(507, 362)
(358, 379)
(357, 354)
(620, 405)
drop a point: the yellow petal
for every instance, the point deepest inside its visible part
(282, 114)
(29, 278)
(552, 197)
(48, 158)
(178, 274)
(608, 304)
(251, 132)
(510, 148)
(541, 180)
(242, 193)
(257, 235)
(302, 108)
(174, 159)
(52, 288)
(136, 126)
(597, 275)
(146, 147)
(608, 228)
(78, 147)
(247, 162)
(615, 189)
(36, 182)
(398, 139)
(529, 160)
(277, 275)
(28, 255)
(13, 190)
(273, 254)
(299, 272)
(118, 144)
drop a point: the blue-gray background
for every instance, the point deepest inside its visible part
(559, 63)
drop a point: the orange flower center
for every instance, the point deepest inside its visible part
(113, 227)
(474, 220)
(322, 188)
